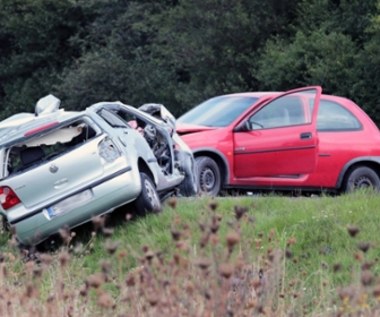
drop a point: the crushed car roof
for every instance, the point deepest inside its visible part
(17, 125)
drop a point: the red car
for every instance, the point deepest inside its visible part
(297, 140)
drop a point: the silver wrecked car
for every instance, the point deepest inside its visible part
(60, 168)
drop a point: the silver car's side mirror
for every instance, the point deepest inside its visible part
(47, 104)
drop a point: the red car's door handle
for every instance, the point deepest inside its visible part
(305, 135)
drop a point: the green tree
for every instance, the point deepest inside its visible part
(367, 69)
(174, 53)
(334, 45)
(117, 61)
(181, 52)
(310, 59)
(36, 46)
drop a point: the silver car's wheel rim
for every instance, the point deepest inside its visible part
(207, 180)
(151, 194)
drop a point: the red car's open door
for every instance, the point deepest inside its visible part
(279, 139)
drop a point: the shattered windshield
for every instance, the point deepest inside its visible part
(218, 112)
(45, 146)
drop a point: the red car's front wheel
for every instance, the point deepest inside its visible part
(208, 175)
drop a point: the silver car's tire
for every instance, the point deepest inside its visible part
(208, 176)
(189, 186)
(148, 200)
(362, 177)
(5, 226)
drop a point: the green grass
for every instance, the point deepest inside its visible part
(301, 244)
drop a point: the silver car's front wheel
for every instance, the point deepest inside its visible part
(148, 200)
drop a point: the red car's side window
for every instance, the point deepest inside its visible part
(287, 111)
(334, 117)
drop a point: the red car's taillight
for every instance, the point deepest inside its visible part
(8, 198)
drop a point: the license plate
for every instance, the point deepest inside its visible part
(68, 204)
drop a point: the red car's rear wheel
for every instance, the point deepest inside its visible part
(362, 177)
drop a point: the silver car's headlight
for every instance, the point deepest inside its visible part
(108, 150)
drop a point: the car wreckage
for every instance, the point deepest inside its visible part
(62, 168)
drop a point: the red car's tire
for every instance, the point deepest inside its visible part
(208, 176)
(362, 177)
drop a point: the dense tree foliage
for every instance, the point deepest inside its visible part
(34, 49)
(180, 52)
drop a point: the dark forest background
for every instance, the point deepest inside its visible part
(180, 53)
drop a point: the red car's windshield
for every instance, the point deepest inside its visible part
(218, 112)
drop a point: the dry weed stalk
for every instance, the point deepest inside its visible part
(215, 275)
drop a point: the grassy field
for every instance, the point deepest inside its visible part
(229, 256)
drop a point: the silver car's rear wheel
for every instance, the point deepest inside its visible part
(5, 226)
(148, 200)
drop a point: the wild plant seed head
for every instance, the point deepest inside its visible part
(122, 254)
(65, 235)
(291, 241)
(46, 259)
(149, 255)
(240, 211)
(112, 246)
(226, 270)
(204, 239)
(232, 239)
(213, 205)
(376, 292)
(152, 299)
(172, 202)
(367, 265)
(64, 258)
(105, 300)
(288, 253)
(353, 230)
(337, 267)
(367, 278)
(214, 225)
(106, 266)
(202, 227)
(358, 256)
(176, 234)
(130, 281)
(83, 291)
(37, 272)
(364, 246)
(95, 280)
(346, 293)
(98, 222)
(203, 263)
